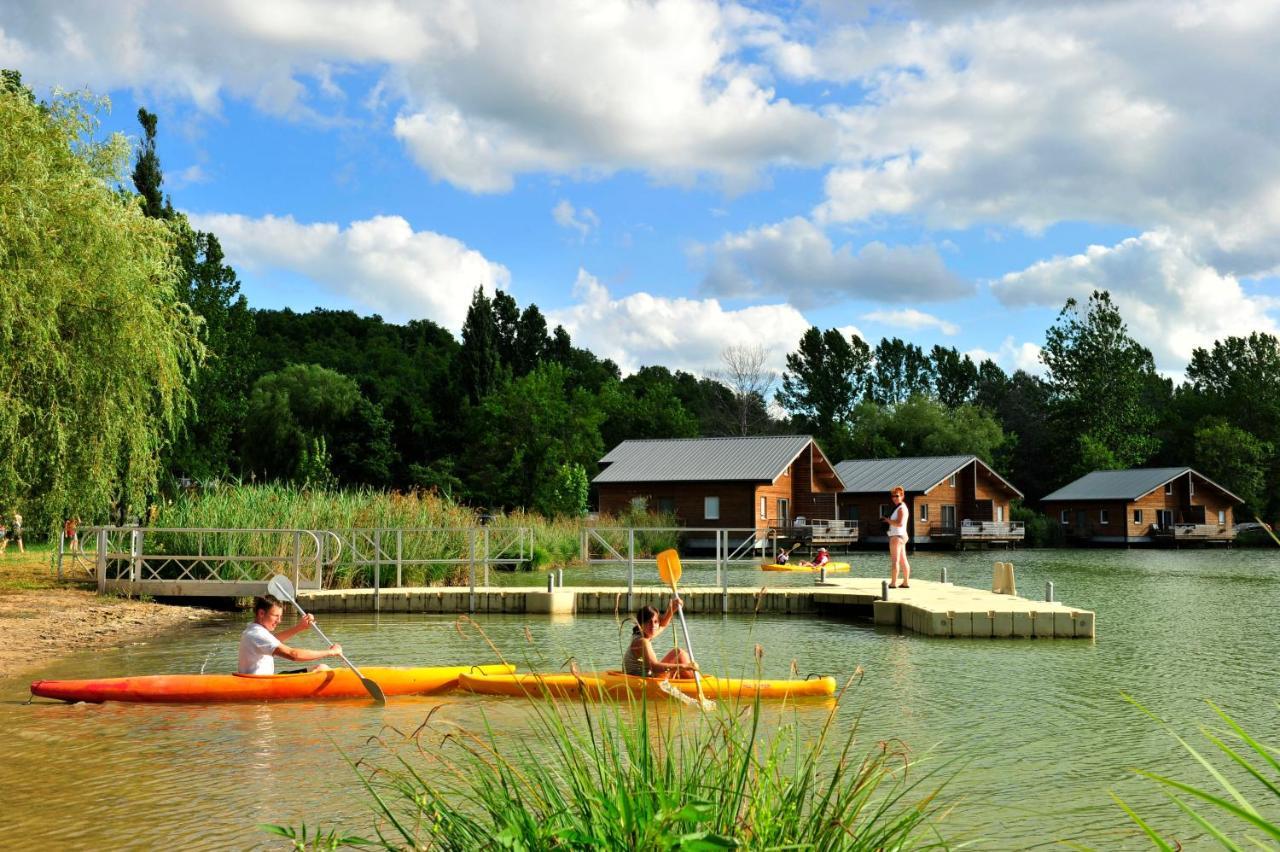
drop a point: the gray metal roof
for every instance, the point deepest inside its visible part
(1125, 484)
(862, 476)
(702, 459)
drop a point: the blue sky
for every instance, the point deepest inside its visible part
(670, 178)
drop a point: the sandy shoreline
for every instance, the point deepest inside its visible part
(41, 625)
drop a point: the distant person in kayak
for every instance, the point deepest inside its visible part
(783, 556)
(897, 521)
(640, 659)
(819, 559)
(260, 644)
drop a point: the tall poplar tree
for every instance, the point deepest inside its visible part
(1100, 380)
(826, 377)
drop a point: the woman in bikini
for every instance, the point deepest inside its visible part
(641, 661)
(898, 541)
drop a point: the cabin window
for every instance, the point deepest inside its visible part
(999, 514)
(1191, 487)
(1064, 517)
(711, 508)
(1104, 517)
(1137, 516)
(924, 511)
(951, 480)
(949, 517)
(1222, 517)
(1168, 487)
(667, 505)
(764, 508)
(885, 510)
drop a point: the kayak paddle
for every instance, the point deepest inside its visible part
(283, 589)
(669, 570)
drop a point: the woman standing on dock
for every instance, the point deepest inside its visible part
(898, 540)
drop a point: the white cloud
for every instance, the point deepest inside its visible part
(795, 258)
(1171, 301)
(583, 221)
(1136, 112)
(1011, 356)
(487, 90)
(912, 318)
(686, 334)
(380, 263)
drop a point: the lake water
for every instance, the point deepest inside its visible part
(1039, 726)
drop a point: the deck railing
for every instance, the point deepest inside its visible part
(993, 529)
(1177, 531)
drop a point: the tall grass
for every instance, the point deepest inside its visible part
(1239, 811)
(644, 775)
(433, 528)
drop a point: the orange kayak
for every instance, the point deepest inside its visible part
(615, 684)
(204, 688)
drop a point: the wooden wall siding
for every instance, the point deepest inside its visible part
(810, 500)
(739, 507)
(773, 492)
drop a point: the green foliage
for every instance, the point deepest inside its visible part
(920, 426)
(97, 350)
(826, 377)
(1238, 460)
(290, 409)
(640, 776)
(1242, 809)
(1100, 382)
(955, 376)
(558, 425)
(479, 360)
(901, 371)
(1041, 530)
(564, 492)
(147, 176)
(645, 404)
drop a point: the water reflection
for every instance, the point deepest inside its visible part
(1039, 725)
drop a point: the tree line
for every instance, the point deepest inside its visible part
(132, 363)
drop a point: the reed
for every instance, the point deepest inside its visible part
(645, 775)
(1241, 810)
(431, 528)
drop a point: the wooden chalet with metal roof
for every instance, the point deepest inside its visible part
(1159, 505)
(761, 483)
(954, 501)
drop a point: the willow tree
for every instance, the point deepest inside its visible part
(96, 350)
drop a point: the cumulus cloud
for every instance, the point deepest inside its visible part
(795, 258)
(1172, 301)
(1119, 112)
(485, 90)
(913, 319)
(1011, 356)
(381, 263)
(687, 334)
(583, 221)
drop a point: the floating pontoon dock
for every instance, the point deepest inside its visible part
(927, 608)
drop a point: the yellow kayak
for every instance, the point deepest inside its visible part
(832, 567)
(615, 684)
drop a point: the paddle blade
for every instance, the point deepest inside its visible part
(375, 691)
(280, 587)
(669, 567)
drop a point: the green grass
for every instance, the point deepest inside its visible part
(34, 570)
(642, 775)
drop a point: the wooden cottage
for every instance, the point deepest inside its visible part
(1160, 505)
(954, 500)
(743, 483)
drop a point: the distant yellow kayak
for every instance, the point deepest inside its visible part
(615, 684)
(832, 567)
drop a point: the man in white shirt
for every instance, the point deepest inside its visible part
(260, 645)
